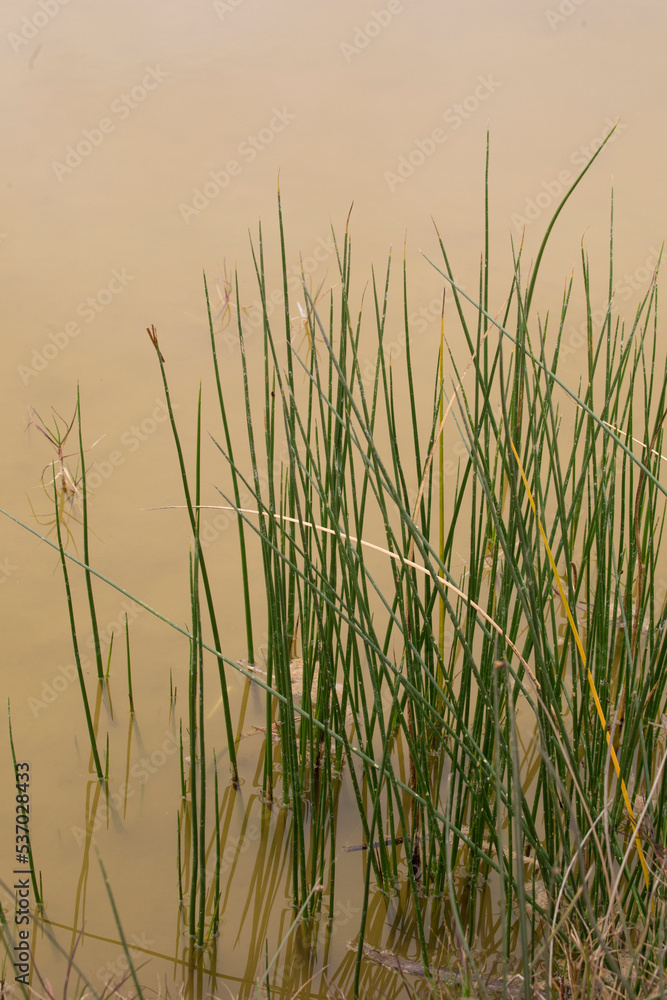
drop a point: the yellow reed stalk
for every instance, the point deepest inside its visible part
(591, 682)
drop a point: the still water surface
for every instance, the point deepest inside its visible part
(142, 141)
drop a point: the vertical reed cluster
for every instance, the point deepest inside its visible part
(480, 655)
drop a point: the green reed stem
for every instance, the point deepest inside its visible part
(128, 957)
(86, 552)
(75, 643)
(202, 565)
(235, 486)
(129, 666)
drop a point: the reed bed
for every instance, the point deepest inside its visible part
(481, 656)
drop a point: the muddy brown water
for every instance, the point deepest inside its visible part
(141, 142)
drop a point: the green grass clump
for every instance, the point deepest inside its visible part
(482, 656)
(559, 513)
